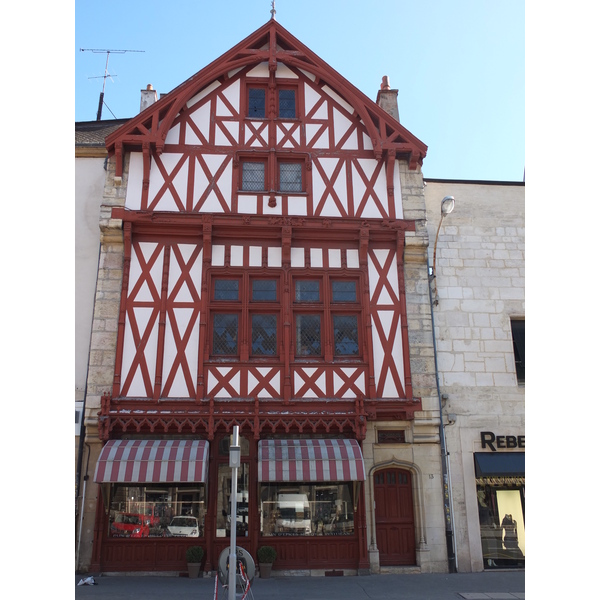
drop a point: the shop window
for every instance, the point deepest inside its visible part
(287, 103)
(257, 103)
(140, 511)
(518, 335)
(307, 510)
(253, 176)
(502, 522)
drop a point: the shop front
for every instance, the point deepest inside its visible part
(152, 504)
(500, 479)
(161, 496)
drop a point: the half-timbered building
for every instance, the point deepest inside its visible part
(266, 221)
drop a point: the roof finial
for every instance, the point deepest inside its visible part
(273, 11)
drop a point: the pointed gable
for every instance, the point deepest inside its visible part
(333, 108)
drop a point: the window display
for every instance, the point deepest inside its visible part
(307, 510)
(502, 523)
(137, 511)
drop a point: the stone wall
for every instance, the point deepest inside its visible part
(480, 275)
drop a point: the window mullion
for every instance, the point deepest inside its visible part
(245, 322)
(327, 329)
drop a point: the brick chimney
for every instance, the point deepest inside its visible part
(388, 98)
(149, 97)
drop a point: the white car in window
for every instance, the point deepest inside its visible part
(183, 526)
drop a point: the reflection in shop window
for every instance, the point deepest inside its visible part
(140, 511)
(307, 510)
(502, 522)
(224, 501)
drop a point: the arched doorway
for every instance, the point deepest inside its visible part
(394, 517)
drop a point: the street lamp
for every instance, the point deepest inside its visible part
(446, 208)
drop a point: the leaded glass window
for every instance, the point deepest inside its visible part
(264, 335)
(287, 104)
(343, 291)
(345, 335)
(307, 291)
(227, 289)
(225, 334)
(264, 290)
(253, 176)
(290, 177)
(308, 335)
(256, 103)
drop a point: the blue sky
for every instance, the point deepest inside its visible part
(459, 66)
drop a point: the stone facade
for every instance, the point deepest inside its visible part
(480, 273)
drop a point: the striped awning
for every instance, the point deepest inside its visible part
(310, 460)
(152, 461)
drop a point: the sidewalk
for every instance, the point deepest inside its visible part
(507, 585)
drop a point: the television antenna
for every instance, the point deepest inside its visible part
(106, 73)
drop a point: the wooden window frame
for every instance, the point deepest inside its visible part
(291, 88)
(266, 174)
(256, 86)
(244, 307)
(291, 161)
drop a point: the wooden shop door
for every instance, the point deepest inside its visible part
(394, 517)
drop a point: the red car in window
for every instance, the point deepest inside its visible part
(130, 525)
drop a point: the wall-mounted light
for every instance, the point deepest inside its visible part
(446, 208)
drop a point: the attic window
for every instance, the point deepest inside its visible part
(256, 103)
(287, 103)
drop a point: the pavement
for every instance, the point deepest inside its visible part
(497, 585)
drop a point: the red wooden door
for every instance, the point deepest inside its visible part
(394, 517)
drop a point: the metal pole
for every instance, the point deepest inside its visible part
(234, 461)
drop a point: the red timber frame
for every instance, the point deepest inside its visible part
(199, 410)
(148, 131)
(285, 408)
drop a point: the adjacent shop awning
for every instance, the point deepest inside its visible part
(152, 461)
(310, 460)
(499, 464)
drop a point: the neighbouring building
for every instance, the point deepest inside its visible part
(90, 177)
(479, 317)
(263, 236)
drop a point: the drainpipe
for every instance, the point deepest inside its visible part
(447, 492)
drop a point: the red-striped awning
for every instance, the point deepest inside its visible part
(310, 460)
(152, 461)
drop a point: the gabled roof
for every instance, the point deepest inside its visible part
(271, 44)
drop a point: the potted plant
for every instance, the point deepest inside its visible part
(193, 556)
(266, 558)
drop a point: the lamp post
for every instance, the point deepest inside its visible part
(446, 208)
(234, 463)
